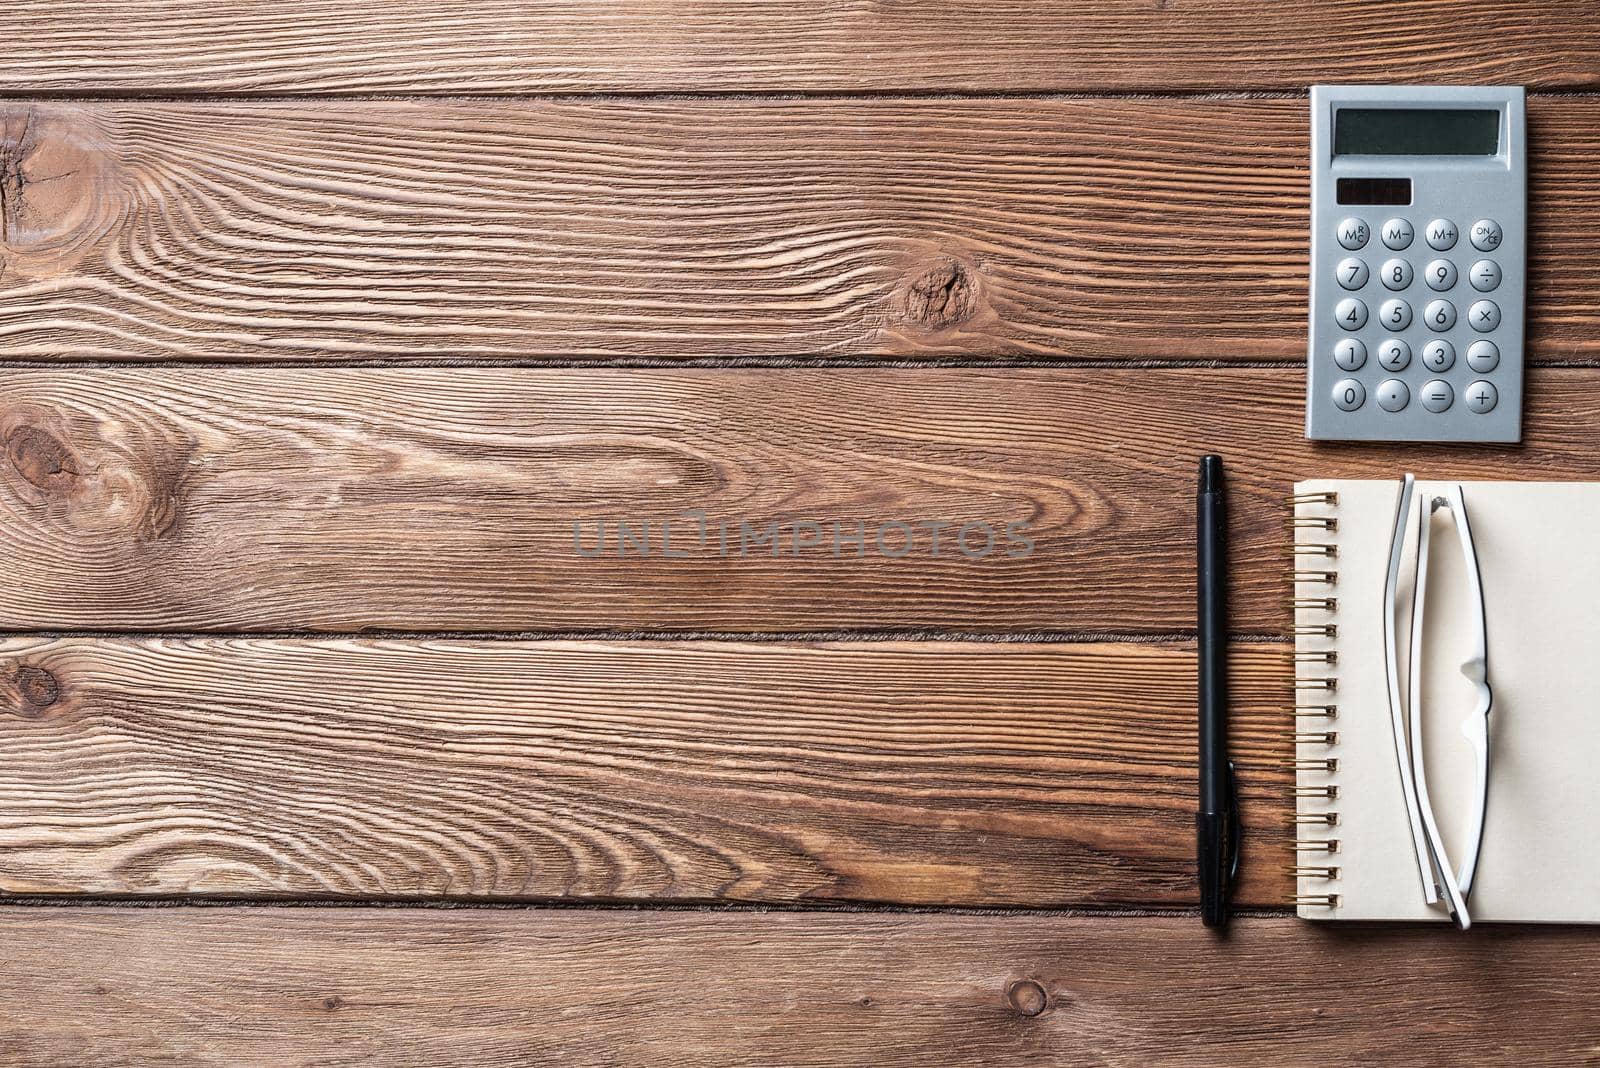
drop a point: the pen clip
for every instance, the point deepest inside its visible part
(1235, 830)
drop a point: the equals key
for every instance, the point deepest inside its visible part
(1437, 396)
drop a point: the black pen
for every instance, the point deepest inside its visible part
(1217, 823)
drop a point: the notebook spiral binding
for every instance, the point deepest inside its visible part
(1314, 605)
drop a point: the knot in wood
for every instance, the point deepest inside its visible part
(40, 457)
(59, 188)
(1027, 998)
(942, 295)
(38, 687)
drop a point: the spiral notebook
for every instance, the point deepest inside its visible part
(1538, 550)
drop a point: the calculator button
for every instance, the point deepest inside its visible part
(1394, 355)
(1439, 315)
(1484, 276)
(1440, 275)
(1351, 313)
(1486, 235)
(1482, 397)
(1353, 234)
(1352, 273)
(1438, 355)
(1397, 234)
(1396, 273)
(1437, 395)
(1483, 356)
(1395, 314)
(1484, 316)
(1441, 234)
(1393, 395)
(1351, 355)
(1349, 394)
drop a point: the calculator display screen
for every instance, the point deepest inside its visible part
(1416, 132)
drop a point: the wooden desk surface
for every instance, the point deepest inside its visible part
(333, 338)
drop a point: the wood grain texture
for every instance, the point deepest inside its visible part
(448, 499)
(938, 773)
(1056, 228)
(492, 988)
(431, 46)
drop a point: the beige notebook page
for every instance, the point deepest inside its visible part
(1539, 548)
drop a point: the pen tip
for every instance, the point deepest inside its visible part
(1210, 474)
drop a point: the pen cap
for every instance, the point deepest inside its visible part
(1210, 474)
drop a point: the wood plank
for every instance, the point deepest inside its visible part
(1050, 228)
(939, 773)
(433, 46)
(448, 499)
(480, 988)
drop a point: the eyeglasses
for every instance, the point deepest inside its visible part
(1442, 884)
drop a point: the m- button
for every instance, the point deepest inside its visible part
(1397, 234)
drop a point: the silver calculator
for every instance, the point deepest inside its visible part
(1418, 242)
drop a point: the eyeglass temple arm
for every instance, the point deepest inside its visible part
(1439, 861)
(1476, 668)
(1402, 748)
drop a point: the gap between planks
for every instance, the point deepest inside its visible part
(998, 637)
(818, 908)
